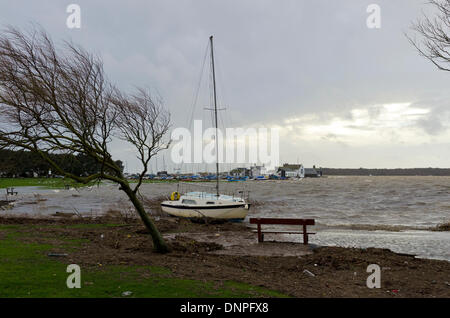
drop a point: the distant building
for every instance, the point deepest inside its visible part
(313, 172)
(240, 172)
(258, 171)
(162, 174)
(291, 171)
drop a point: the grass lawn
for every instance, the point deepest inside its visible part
(51, 183)
(60, 183)
(26, 270)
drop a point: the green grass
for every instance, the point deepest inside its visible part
(27, 271)
(50, 183)
(61, 183)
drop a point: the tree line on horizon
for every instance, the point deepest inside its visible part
(387, 172)
(29, 164)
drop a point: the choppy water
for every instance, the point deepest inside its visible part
(411, 202)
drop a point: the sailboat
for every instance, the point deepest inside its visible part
(204, 204)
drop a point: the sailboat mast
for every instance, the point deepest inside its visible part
(215, 114)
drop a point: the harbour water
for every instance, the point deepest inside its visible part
(385, 212)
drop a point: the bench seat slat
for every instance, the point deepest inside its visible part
(282, 221)
(282, 232)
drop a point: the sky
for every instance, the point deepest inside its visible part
(341, 94)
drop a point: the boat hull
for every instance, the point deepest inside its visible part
(226, 212)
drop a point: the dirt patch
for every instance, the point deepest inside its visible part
(154, 204)
(57, 220)
(244, 243)
(5, 205)
(185, 244)
(442, 227)
(199, 251)
(4, 202)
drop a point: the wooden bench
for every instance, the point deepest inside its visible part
(278, 221)
(10, 191)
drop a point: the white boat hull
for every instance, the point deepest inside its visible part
(236, 212)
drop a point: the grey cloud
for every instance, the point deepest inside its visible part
(432, 125)
(276, 59)
(437, 121)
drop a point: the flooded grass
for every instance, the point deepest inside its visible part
(49, 183)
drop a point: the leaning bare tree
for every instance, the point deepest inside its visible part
(434, 34)
(59, 101)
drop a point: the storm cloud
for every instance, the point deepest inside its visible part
(342, 94)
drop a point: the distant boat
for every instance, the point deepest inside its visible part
(203, 204)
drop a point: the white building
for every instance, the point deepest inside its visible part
(291, 171)
(258, 171)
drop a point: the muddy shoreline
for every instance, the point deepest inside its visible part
(227, 252)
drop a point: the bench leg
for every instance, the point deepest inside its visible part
(305, 235)
(260, 235)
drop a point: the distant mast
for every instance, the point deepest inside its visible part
(215, 114)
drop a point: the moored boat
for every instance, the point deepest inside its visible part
(206, 205)
(203, 204)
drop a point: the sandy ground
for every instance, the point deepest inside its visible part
(223, 252)
(243, 243)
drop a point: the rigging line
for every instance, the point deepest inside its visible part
(211, 95)
(196, 94)
(220, 80)
(211, 92)
(225, 117)
(222, 87)
(195, 98)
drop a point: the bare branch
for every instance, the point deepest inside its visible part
(434, 34)
(59, 101)
(143, 122)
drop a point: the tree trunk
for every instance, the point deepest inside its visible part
(158, 242)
